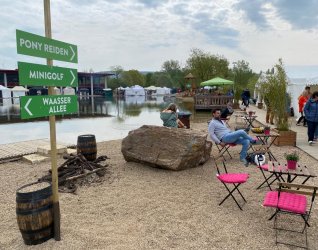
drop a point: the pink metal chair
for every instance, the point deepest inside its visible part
(291, 199)
(228, 179)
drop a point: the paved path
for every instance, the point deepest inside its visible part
(302, 138)
(18, 149)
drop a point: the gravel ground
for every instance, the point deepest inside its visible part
(139, 207)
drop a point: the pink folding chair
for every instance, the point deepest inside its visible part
(291, 199)
(228, 179)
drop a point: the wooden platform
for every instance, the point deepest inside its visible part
(211, 102)
(19, 149)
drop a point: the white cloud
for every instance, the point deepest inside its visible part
(142, 35)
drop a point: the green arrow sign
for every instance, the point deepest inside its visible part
(41, 106)
(43, 75)
(39, 46)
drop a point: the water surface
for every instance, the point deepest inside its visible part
(106, 118)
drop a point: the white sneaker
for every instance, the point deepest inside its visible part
(310, 143)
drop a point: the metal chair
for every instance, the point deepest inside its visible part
(236, 179)
(291, 199)
(269, 180)
(225, 149)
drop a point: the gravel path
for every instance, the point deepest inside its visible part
(139, 207)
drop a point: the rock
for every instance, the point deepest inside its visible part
(168, 148)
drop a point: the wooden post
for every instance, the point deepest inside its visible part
(56, 205)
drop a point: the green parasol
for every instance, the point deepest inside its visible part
(217, 81)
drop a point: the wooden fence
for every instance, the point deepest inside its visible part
(211, 101)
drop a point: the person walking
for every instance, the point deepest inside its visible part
(302, 99)
(311, 114)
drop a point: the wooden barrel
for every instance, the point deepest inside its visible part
(86, 145)
(35, 212)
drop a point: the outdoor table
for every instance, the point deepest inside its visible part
(248, 119)
(264, 139)
(282, 171)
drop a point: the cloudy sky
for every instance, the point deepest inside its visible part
(142, 34)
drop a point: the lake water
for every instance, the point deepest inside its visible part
(106, 118)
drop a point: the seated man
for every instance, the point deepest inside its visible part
(222, 135)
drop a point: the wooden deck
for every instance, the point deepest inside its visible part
(211, 101)
(19, 149)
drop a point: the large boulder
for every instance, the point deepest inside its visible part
(168, 148)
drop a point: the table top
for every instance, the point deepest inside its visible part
(271, 134)
(245, 115)
(301, 170)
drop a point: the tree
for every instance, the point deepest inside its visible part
(133, 77)
(173, 69)
(275, 89)
(206, 66)
(242, 75)
(161, 79)
(117, 69)
(148, 81)
(115, 83)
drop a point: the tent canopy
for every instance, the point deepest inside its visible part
(217, 81)
(19, 88)
(151, 88)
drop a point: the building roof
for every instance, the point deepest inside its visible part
(189, 76)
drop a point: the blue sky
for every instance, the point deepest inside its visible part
(142, 34)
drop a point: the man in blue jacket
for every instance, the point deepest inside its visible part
(311, 114)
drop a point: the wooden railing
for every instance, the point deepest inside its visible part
(211, 101)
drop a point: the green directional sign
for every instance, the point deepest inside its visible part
(43, 75)
(39, 46)
(41, 106)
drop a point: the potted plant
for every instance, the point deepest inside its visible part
(267, 130)
(292, 159)
(275, 88)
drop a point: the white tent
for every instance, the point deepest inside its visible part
(5, 96)
(57, 90)
(135, 90)
(137, 99)
(151, 88)
(68, 91)
(163, 91)
(295, 87)
(18, 91)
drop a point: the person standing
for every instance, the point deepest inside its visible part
(307, 89)
(302, 99)
(311, 114)
(246, 95)
(269, 111)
